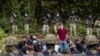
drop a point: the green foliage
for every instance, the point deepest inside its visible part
(38, 8)
(81, 29)
(2, 33)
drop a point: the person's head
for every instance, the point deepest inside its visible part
(72, 12)
(57, 15)
(98, 48)
(48, 15)
(90, 17)
(35, 42)
(31, 37)
(77, 41)
(68, 41)
(61, 26)
(26, 14)
(29, 44)
(24, 38)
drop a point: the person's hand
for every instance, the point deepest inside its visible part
(31, 52)
(58, 40)
(27, 52)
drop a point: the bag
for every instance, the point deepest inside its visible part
(39, 46)
(63, 50)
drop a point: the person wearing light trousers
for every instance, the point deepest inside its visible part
(72, 20)
(97, 24)
(89, 24)
(26, 23)
(45, 29)
(13, 22)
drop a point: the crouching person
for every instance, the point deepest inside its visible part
(62, 37)
(28, 49)
(72, 47)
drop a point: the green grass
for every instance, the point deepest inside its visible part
(2, 47)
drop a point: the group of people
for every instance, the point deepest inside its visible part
(46, 20)
(77, 46)
(72, 20)
(13, 21)
(33, 46)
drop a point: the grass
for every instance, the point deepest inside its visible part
(2, 47)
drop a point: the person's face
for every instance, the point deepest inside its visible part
(61, 26)
(24, 39)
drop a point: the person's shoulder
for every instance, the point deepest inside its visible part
(20, 42)
(24, 48)
(58, 29)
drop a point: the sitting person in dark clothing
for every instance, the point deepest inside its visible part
(80, 47)
(98, 49)
(38, 46)
(22, 43)
(32, 38)
(72, 47)
(28, 49)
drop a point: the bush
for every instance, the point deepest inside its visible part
(2, 33)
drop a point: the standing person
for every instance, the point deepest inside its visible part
(13, 22)
(97, 24)
(57, 20)
(72, 20)
(26, 23)
(89, 23)
(62, 37)
(45, 19)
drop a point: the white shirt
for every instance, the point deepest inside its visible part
(57, 48)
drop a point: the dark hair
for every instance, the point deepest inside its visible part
(68, 41)
(76, 40)
(24, 36)
(31, 36)
(29, 43)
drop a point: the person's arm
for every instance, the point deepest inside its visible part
(72, 45)
(69, 19)
(66, 34)
(76, 19)
(57, 35)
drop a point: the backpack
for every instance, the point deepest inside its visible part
(39, 46)
(63, 50)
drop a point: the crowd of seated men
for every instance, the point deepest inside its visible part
(34, 46)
